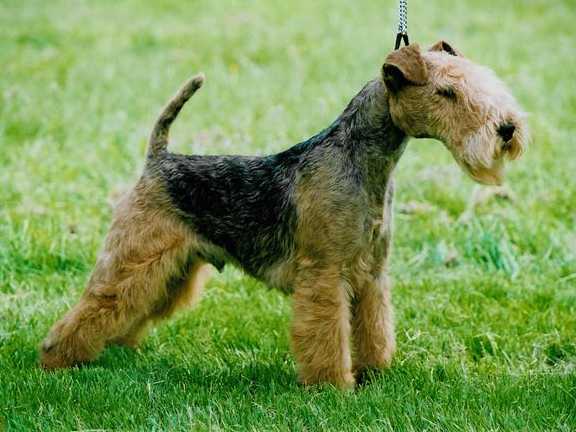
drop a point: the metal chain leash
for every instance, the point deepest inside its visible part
(403, 17)
(402, 34)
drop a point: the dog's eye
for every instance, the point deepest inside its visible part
(447, 92)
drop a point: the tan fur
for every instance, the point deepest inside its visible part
(468, 124)
(409, 61)
(373, 326)
(321, 327)
(373, 317)
(341, 289)
(145, 272)
(321, 324)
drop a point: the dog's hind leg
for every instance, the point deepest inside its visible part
(183, 292)
(146, 251)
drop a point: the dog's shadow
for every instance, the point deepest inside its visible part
(256, 373)
(259, 376)
(278, 373)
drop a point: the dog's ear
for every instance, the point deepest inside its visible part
(445, 47)
(404, 67)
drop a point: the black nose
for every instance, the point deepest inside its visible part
(506, 131)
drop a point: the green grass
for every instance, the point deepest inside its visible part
(486, 310)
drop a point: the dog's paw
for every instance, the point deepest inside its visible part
(343, 381)
(53, 352)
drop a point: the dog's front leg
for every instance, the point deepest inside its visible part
(321, 329)
(372, 323)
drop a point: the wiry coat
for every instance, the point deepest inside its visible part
(251, 208)
(314, 220)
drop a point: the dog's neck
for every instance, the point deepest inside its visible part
(375, 141)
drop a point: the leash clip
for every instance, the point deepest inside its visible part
(401, 36)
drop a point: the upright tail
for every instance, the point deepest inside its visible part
(159, 137)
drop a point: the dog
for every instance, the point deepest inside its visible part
(314, 220)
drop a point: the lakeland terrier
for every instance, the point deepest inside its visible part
(314, 220)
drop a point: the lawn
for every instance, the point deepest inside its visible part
(485, 289)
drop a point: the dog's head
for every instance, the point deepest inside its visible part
(443, 95)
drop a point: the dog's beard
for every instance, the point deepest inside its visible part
(481, 156)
